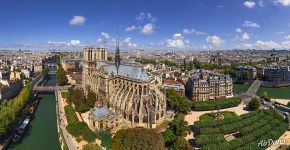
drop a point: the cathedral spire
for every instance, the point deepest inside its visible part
(117, 54)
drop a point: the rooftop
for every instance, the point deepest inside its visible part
(126, 70)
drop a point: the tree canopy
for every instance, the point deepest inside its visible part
(137, 138)
(11, 109)
(176, 102)
(174, 135)
(61, 77)
(254, 104)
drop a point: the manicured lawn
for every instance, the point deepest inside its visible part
(281, 92)
(210, 116)
(240, 87)
(64, 95)
(70, 114)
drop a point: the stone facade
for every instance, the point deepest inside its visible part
(204, 85)
(127, 91)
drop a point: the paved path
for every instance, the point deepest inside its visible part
(63, 123)
(253, 89)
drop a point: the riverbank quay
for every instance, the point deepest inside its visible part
(62, 123)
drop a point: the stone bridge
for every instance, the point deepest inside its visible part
(252, 91)
(49, 88)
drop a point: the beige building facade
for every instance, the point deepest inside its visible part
(203, 86)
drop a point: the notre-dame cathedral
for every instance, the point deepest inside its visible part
(123, 87)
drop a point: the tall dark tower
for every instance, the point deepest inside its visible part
(117, 54)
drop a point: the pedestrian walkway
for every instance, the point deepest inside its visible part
(253, 89)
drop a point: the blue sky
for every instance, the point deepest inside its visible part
(147, 24)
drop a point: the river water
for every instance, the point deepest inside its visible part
(42, 134)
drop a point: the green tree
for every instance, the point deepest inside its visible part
(265, 96)
(169, 137)
(79, 99)
(61, 77)
(179, 126)
(11, 109)
(45, 72)
(137, 138)
(180, 103)
(107, 140)
(254, 104)
(288, 104)
(89, 136)
(179, 144)
(246, 75)
(174, 135)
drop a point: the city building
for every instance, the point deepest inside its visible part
(4, 74)
(69, 65)
(242, 71)
(26, 73)
(37, 68)
(15, 75)
(102, 118)
(9, 89)
(172, 84)
(276, 76)
(124, 88)
(205, 85)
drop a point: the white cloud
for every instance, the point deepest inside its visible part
(260, 3)
(146, 17)
(147, 29)
(266, 45)
(286, 44)
(249, 4)
(215, 41)
(128, 43)
(282, 2)
(220, 6)
(192, 31)
(177, 41)
(63, 43)
(247, 45)
(245, 36)
(77, 20)
(238, 30)
(105, 35)
(133, 27)
(251, 24)
(188, 31)
(200, 33)
(75, 43)
(287, 37)
(279, 32)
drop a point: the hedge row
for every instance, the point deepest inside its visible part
(216, 123)
(234, 127)
(209, 131)
(216, 104)
(244, 140)
(252, 127)
(273, 134)
(202, 140)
